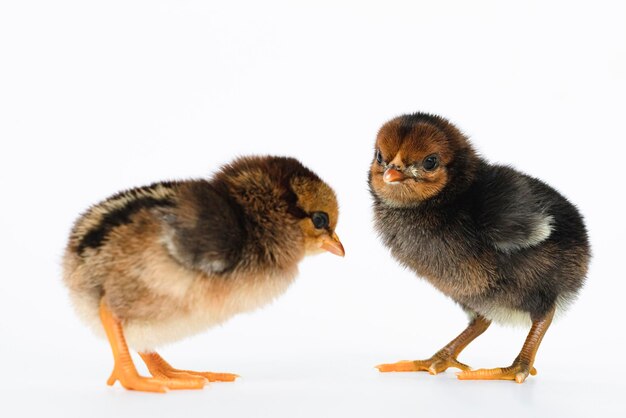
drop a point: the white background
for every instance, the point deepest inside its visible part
(100, 96)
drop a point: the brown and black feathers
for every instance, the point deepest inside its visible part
(498, 242)
(505, 246)
(175, 257)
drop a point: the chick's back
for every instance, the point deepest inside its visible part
(538, 240)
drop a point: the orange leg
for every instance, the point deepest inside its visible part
(162, 369)
(523, 364)
(124, 369)
(446, 357)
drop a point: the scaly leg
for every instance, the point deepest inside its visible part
(523, 364)
(124, 369)
(160, 368)
(446, 357)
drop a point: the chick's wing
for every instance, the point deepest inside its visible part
(510, 213)
(203, 231)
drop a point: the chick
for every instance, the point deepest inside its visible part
(155, 264)
(503, 245)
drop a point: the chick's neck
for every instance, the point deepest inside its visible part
(273, 239)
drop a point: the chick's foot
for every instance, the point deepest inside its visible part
(446, 357)
(124, 370)
(134, 381)
(436, 364)
(160, 368)
(523, 364)
(517, 371)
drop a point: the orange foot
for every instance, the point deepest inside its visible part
(136, 382)
(124, 369)
(130, 379)
(436, 364)
(517, 371)
(159, 368)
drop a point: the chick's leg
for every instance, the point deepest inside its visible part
(523, 364)
(160, 368)
(446, 357)
(124, 369)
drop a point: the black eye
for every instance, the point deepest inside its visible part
(320, 219)
(379, 157)
(430, 163)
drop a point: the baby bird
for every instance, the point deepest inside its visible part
(503, 245)
(154, 264)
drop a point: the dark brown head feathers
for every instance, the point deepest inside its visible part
(410, 144)
(280, 191)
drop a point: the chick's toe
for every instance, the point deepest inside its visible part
(517, 371)
(436, 364)
(160, 368)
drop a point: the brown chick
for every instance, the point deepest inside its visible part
(505, 246)
(151, 265)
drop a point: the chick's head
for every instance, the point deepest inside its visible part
(320, 211)
(417, 157)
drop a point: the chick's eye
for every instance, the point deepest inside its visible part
(430, 163)
(379, 157)
(320, 219)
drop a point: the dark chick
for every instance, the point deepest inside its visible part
(155, 264)
(505, 246)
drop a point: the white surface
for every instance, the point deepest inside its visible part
(100, 96)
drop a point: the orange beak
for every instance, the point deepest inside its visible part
(393, 176)
(332, 245)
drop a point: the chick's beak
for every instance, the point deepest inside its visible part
(392, 176)
(332, 244)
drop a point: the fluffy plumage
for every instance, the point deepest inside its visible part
(505, 246)
(174, 258)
